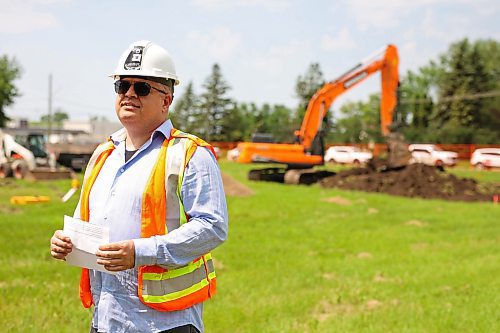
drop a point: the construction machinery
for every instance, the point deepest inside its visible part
(299, 158)
(28, 159)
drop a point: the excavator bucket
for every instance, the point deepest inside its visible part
(398, 154)
(49, 174)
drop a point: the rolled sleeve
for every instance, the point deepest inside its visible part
(145, 251)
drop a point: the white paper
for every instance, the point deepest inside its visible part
(86, 239)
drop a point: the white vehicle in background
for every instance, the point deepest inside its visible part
(485, 158)
(233, 154)
(432, 155)
(347, 155)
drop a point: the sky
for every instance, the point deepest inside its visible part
(262, 46)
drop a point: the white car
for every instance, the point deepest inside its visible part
(217, 151)
(233, 154)
(432, 155)
(485, 158)
(347, 155)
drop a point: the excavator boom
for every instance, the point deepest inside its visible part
(321, 101)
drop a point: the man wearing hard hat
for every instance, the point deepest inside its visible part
(159, 190)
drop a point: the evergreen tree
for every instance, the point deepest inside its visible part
(186, 112)
(455, 81)
(215, 106)
(238, 123)
(305, 87)
(281, 123)
(9, 72)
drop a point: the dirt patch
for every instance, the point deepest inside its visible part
(4, 209)
(416, 180)
(364, 255)
(339, 201)
(234, 188)
(416, 223)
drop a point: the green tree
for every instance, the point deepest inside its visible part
(358, 122)
(9, 72)
(306, 86)
(215, 106)
(462, 115)
(186, 112)
(58, 117)
(238, 123)
(281, 123)
(447, 101)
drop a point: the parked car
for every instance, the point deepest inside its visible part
(217, 151)
(432, 155)
(347, 155)
(233, 154)
(485, 158)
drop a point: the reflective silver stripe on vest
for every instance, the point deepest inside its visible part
(164, 287)
(174, 163)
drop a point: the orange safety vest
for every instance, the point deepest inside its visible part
(162, 211)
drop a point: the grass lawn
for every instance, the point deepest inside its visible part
(298, 259)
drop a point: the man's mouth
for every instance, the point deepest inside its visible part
(129, 104)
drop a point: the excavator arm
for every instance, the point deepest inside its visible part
(321, 101)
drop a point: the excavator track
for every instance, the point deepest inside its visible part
(290, 176)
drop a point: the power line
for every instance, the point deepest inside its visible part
(493, 93)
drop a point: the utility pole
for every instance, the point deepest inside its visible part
(49, 127)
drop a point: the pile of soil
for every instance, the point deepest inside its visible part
(415, 180)
(234, 188)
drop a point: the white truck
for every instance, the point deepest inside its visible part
(431, 154)
(19, 161)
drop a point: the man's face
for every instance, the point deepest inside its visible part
(143, 114)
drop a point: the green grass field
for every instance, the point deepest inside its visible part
(298, 259)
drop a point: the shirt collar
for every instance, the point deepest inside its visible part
(165, 128)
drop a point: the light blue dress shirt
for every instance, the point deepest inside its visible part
(115, 202)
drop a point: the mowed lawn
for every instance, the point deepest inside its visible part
(298, 259)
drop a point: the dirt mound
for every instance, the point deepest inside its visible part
(416, 180)
(232, 187)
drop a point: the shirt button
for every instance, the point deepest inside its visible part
(122, 170)
(113, 193)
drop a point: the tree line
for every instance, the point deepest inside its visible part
(452, 99)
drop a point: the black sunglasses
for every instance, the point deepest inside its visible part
(140, 88)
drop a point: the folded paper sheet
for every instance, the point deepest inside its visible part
(86, 239)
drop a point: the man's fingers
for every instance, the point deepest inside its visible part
(115, 268)
(60, 235)
(109, 254)
(110, 261)
(111, 247)
(61, 243)
(58, 255)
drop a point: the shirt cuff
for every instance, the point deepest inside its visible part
(145, 251)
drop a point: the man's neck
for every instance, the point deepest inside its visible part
(135, 141)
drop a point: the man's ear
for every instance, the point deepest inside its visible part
(167, 101)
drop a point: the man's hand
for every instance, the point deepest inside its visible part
(117, 256)
(60, 245)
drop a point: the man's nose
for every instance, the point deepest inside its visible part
(131, 91)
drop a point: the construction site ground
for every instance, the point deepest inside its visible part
(416, 180)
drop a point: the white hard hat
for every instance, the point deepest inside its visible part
(144, 58)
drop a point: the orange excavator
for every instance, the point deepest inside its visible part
(308, 151)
